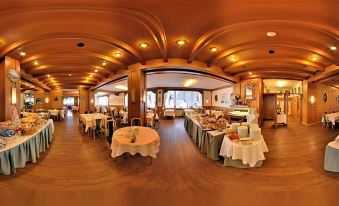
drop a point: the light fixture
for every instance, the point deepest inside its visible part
(213, 49)
(91, 75)
(233, 59)
(104, 63)
(36, 63)
(143, 45)
(314, 58)
(271, 34)
(281, 83)
(333, 48)
(48, 75)
(250, 73)
(22, 53)
(92, 100)
(312, 99)
(122, 87)
(117, 54)
(181, 42)
(46, 100)
(70, 75)
(189, 82)
(96, 70)
(13, 95)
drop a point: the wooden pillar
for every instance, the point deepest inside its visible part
(136, 94)
(91, 101)
(83, 101)
(9, 89)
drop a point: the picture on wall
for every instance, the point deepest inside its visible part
(39, 101)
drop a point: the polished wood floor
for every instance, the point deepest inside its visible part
(77, 163)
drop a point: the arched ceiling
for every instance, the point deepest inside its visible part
(49, 34)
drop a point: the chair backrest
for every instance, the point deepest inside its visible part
(136, 122)
(91, 112)
(86, 112)
(110, 124)
(98, 123)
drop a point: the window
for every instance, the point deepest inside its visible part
(183, 99)
(102, 101)
(126, 100)
(68, 101)
(169, 99)
(151, 99)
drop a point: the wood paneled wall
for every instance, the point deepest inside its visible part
(55, 103)
(83, 101)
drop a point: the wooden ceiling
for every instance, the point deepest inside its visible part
(49, 34)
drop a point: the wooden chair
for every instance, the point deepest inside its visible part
(325, 122)
(96, 129)
(136, 122)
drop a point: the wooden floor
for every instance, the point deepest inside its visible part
(77, 163)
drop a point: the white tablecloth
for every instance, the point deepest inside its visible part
(281, 118)
(249, 154)
(252, 118)
(88, 119)
(55, 112)
(147, 143)
(332, 117)
(169, 113)
(238, 114)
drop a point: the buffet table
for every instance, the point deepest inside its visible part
(217, 113)
(147, 141)
(243, 156)
(22, 149)
(209, 142)
(331, 162)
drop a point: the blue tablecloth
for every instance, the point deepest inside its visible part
(27, 151)
(331, 162)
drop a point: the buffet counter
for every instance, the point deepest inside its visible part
(209, 142)
(26, 148)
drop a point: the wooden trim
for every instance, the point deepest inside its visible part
(219, 88)
(121, 78)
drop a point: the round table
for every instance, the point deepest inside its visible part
(147, 141)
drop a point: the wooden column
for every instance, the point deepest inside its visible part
(6, 87)
(83, 101)
(136, 94)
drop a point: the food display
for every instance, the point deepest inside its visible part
(220, 124)
(207, 122)
(7, 133)
(3, 142)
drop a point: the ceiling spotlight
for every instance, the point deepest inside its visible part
(271, 34)
(70, 75)
(36, 63)
(333, 48)
(250, 73)
(271, 51)
(213, 49)
(96, 70)
(48, 75)
(22, 53)
(143, 45)
(181, 42)
(281, 83)
(104, 63)
(91, 75)
(117, 54)
(233, 59)
(314, 58)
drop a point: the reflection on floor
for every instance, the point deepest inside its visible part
(77, 163)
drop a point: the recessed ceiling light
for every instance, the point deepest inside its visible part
(117, 54)
(271, 34)
(333, 48)
(91, 75)
(80, 44)
(213, 49)
(36, 63)
(233, 59)
(104, 63)
(69, 74)
(22, 53)
(281, 83)
(143, 45)
(181, 42)
(271, 51)
(250, 73)
(314, 58)
(96, 70)
(48, 75)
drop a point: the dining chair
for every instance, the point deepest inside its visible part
(136, 121)
(156, 121)
(97, 129)
(110, 124)
(325, 122)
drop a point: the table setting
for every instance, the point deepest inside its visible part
(135, 139)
